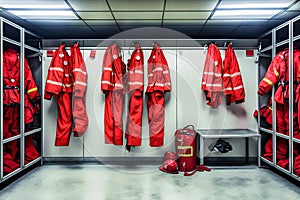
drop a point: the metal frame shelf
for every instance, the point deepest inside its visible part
(21, 137)
(289, 26)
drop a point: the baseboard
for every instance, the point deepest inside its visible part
(104, 160)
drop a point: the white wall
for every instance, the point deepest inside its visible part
(184, 105)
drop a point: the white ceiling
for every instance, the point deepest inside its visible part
(103, 18)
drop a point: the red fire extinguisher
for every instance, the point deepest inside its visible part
(186, 148)
(185, 145)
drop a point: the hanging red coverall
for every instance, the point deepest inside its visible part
(60, 85)
(135, 91)
(212, 83)
(112, 86)
(159, 82)
(232, 79)
(79, 92)
(278, 73)
(11, 112)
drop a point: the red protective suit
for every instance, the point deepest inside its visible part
(11, 112)
(112, 85)
(232, 79)
(159, 82)
(79, 92)
(135, 92)
(212, 83)
(297, 164)
(60, 85)
(278, 73)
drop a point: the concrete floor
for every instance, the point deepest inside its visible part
(76, 182)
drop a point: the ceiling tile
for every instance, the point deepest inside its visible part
(224, 22)
(138, 15)
(295, 7)
(287, 15)
(56, 22)
(185, 29)
(95, 15)
(139, 23)
(105, 28)
(250, 31)
(100, 22)
(218, 30)
(89, 5)
(137, 5)
(191, 4)
(186, 15)
(184, 22)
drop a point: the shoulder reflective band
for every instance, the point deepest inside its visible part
(276, 72)
(32, 90)
(268, 81)
(187, 151)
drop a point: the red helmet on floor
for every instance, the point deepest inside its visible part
(169, 166)
(169, 155)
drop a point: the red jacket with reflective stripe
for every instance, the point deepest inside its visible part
(278, 73)
(232, 79)
(158, 71)
(60, 76)
(136, 70)
(11, 84)
(212, 74)
(79, 72)
(113, 69)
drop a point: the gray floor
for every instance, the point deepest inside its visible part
(105, 182)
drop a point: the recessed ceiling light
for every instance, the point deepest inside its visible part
(40, 6)
(249, 14)
(254, 5)
(51, 14)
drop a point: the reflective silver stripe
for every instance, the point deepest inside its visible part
(235, 88)
(107, 69)
(157, 84)
(135, 83)
(232, 75)
(56, 69)
(281, 56)
(80, 83)
(118, 85)
(67, 75)
(107, 82)
(150, 75)
(67, 85)
(79, 70)
(238, 87)
(165, 72)
(54, 83)
(214, 85)
(138, 72)
(157, 69)
(212, 73)
(168, 83)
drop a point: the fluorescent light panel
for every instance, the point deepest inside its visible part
(24, 13)
(244, 13)
(254, 5)
(18, 6)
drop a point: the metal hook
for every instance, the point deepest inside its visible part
(205, 48)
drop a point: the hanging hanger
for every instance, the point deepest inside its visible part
(205, 48)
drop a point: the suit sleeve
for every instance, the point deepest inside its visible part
(271, 77)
